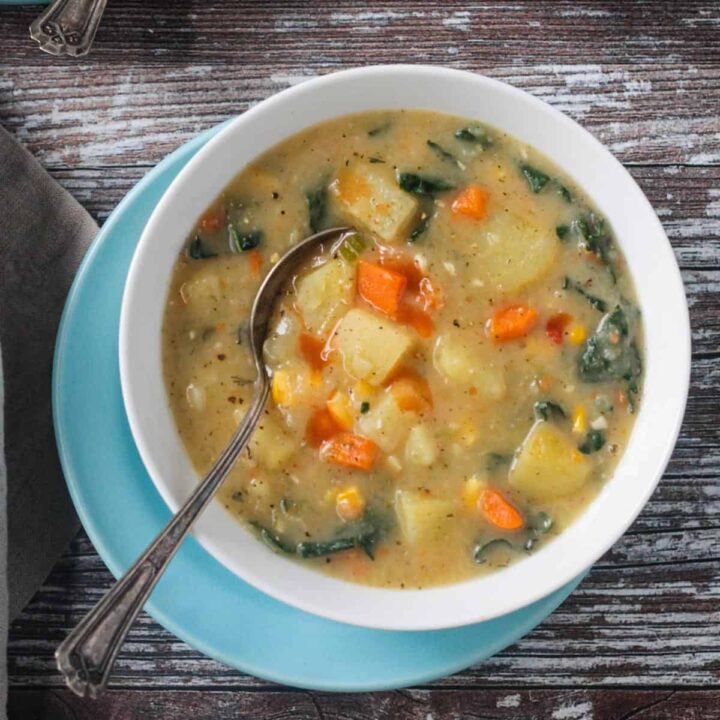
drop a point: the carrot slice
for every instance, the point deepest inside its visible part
(512, 322)
(555, 327)
(255, 258)
(312, 349)
(348, 450)
(320, 428)
(211, 220)
(411, 391)
(418, 319)
(499, 511)
(382, 287)
(471, 202)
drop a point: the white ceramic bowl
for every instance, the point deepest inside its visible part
(638, 231)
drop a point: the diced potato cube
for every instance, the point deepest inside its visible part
(270, 446)
(371, 347)
(470, 366)
(369, 197)
(324, 294)
(341, 409)
(513, 252)
(422, 517)
(549, 465)
(421, 447)
(385, 423)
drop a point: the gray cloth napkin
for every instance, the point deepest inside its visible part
(44, 233)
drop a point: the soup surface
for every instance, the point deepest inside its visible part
(452, 382)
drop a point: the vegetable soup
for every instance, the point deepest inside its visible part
(452, 381)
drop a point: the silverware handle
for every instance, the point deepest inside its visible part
(87, 655)
(68, 27)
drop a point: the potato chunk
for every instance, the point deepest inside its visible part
(422, 517)
(513, 252)
(371, 347)
(468, 364)
(324, 294)
(369, 197)
(549, 465)
(421, 447)
(385, 423)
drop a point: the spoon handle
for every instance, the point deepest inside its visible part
(68, 27)
(88, 654)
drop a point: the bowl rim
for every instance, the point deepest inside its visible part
(436, 607)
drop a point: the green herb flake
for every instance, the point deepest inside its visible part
(316, 202)
(242, 242)
(494, 460)
(379, 130)
(536, 179)
(364, 406)
(352, 247)
(474, 134)
(593, 442)
(562, 231)
(593, 301)
(423, 184)
(196, 250)
(443, 154)
(548, 410)
(420, 228)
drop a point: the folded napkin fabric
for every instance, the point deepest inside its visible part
(44, 233)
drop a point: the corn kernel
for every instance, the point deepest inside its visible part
(341, 410)
(282, 387)
(471, 490)
(577, 334)
(579, 419)
(362, 391)
(349, 504)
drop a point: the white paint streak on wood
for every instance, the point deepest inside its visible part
(574, 711)
(509, 701)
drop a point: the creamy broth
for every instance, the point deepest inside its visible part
(452, 383)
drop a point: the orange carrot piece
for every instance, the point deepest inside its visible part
(555, 327)
(418, 319)
(512, 322)
(404, 266)
(211, 220)
(312, 348)
(255, 258)
(471, 202)
(382, 287)
(321, 428)
(499, 511)
(349, 450)
(411, 391)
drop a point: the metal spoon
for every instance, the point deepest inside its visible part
(86, 657)
(68, 27)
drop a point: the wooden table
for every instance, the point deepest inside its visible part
(640, 638)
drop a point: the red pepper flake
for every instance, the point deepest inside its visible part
(555, 328)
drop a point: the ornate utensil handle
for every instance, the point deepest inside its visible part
(88, 654)
(68, 27)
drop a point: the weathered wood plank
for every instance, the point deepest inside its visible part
(405, 705)
(661, 112)
(152, 30)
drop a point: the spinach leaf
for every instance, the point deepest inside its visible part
(422, 185)
(196, 250)
(596, 302)
(443, 154)
(274, 541)
(318, 549)
(541, 523)
(596, 239)
(563, 192)
(420, 228)
(474, 134)
(316, 202)
(536, 179)
(375, 160)
(593, 441)
(241, 242)
(547, 410)
(611, 352)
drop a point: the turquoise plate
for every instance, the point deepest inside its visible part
(198, 599)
